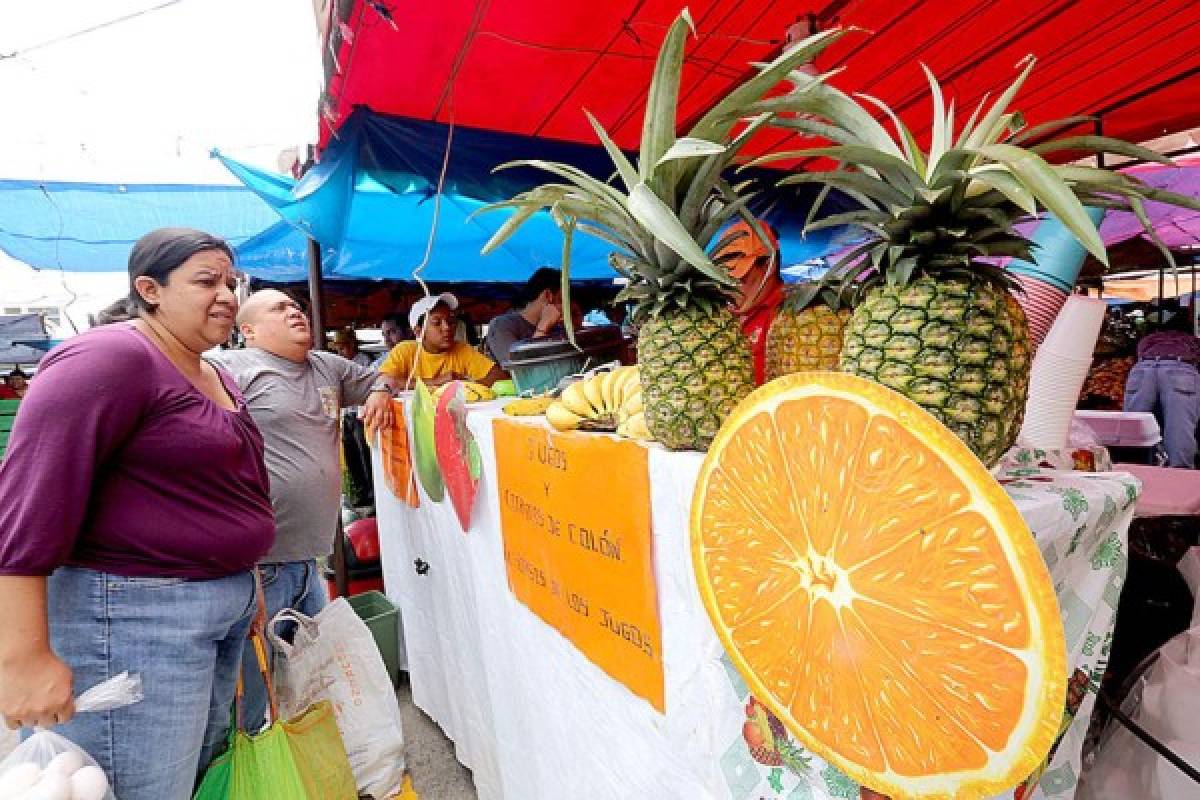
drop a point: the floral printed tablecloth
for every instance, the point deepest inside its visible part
(536, 720)
(1081, 523)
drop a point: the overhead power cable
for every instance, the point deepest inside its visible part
(92, 29)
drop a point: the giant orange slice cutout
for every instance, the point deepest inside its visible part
(878, 590)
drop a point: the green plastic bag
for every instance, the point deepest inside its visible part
(303, 758)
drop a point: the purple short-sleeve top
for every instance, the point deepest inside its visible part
(118, 463)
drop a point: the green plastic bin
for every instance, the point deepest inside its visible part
(8, 415)
(380, 616)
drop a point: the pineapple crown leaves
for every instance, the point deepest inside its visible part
(951, 208)
(676, 198)
(817, 293)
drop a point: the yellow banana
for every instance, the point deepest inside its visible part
(635, 427)
(561, 417)
(528, 406)
(576, 401)
(592, 391)
(608, 386)
(633, 403)
(620, 379)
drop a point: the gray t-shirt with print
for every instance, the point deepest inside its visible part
(297, 408)
(502, 332)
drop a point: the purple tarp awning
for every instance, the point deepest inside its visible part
(1176, 226)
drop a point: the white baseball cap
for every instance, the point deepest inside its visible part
(423, 306)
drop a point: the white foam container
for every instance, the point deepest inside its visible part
(1122, 428)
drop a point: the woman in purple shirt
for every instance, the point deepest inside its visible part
(133, 505)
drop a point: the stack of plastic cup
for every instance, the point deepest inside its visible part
(1048, 283)
(1059, 370)
(1042, 302)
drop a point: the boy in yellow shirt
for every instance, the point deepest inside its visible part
(435, 357)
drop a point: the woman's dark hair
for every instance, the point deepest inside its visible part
(121, 310)
(159, 253)
(542, 279)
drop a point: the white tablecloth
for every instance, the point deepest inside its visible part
(534, 719)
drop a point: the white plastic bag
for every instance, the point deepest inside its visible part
(333, 657)
(47, 766)
(1165, 701)
(1189, 568)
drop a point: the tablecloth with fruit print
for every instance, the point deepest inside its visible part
(1081, 523)
(536, 720)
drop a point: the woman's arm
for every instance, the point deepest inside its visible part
(88, 399)
(35, 686)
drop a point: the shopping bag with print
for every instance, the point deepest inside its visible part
(333, 657)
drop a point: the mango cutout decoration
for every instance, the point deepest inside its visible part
(457, 453)
(394, 453)
(877, 589)
(423, 447)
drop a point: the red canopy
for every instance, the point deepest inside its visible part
(531, 66)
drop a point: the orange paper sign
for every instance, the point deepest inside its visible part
(397, 461)
(575, 511)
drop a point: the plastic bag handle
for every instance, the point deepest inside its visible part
(258, 641)
(116, 692)
(299, 620)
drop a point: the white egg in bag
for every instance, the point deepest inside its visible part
(48, 766)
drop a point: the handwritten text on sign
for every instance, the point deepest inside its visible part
(575, 511)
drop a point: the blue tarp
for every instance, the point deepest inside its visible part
(370, 202)
(90, 227)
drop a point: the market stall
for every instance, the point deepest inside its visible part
(534, 717)
(820, 583)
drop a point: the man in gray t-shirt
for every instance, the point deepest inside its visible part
(540, 311)
(295, 395)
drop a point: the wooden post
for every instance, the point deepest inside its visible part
(316, 294)
(317, 312)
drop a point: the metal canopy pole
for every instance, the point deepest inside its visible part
(316, 304)
(315, 294)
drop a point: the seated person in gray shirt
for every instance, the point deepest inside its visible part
(540, 304)
(295, 395)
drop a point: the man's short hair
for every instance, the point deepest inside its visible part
(542, 279)
(400, 320)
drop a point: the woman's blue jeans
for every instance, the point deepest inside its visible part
(185, 640)
(1171, 389)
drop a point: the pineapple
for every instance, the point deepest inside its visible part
(695, 364)
(695, 368)
(959, 348)
(937, 321)
(806, 338)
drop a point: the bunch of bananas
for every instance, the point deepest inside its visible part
(472, 392)
(609, 401)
